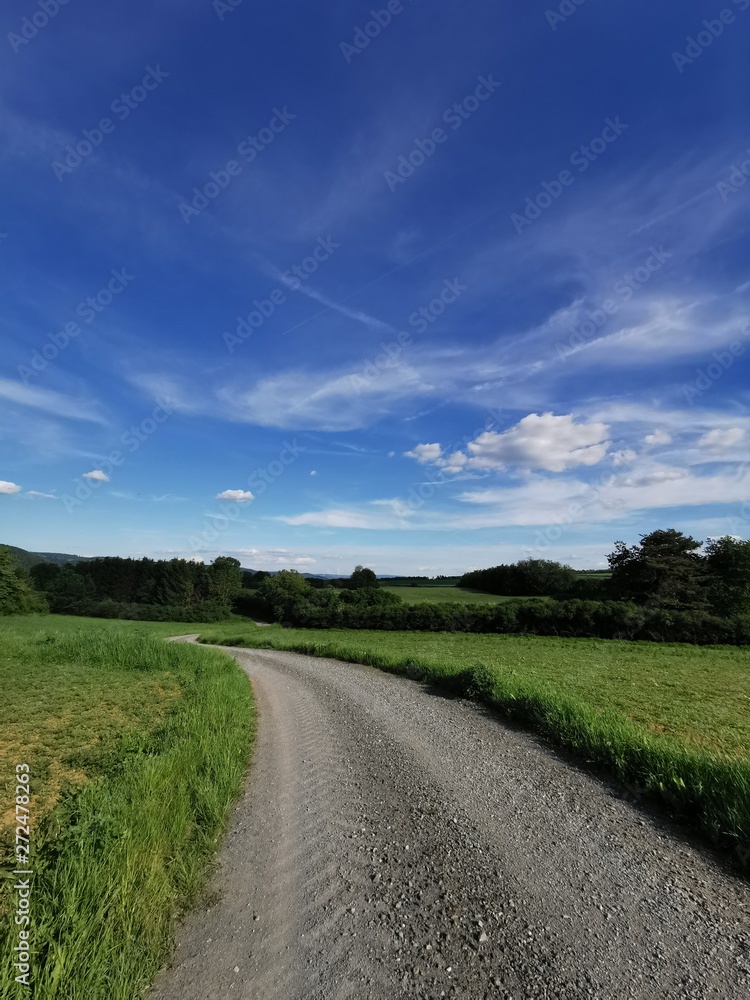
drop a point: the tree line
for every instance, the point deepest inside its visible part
(666, 570)
(668, 587)
(148, 589)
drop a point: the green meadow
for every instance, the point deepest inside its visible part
(445, 595)
(136, 747)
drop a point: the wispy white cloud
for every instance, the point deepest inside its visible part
(322, 401)
(6, 487)
(50, 402)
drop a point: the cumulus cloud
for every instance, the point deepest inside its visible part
(454, 462)
(97, 475)
(237, 496)
(425, 453)
(538, 441)
(541, 441)
(659, 436)
(313, 472)
(720, 440)
(6, 487)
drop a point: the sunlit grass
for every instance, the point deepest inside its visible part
(136, 748)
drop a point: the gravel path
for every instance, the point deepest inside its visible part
(392, 842)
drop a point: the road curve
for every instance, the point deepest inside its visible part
(393, 842)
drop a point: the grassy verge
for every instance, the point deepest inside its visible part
(136, 748)
(671, 721)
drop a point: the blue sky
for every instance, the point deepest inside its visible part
(474, 290)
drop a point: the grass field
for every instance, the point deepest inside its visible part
(671, 720)
(136, 747)
(446, 595)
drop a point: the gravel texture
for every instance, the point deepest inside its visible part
(394, 842)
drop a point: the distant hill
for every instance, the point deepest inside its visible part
(28, 559)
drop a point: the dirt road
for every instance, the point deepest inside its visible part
(391, 842)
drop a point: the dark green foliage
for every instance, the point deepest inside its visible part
(205, 611)
(528, 578)
(289, 599)
(225, 580)
(17, 596)
(248, 603)
(728, 567)
(283, 594)
(142, 589)
(67, 591)
(666, 570)
(362, 577)
(252, 579)
(43, 574)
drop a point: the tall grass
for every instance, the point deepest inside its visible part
(118, 860)
(702, 786)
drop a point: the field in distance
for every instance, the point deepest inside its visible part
(446, 595)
